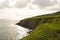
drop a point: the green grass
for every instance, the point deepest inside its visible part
(46, 27)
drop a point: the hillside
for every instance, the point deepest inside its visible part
(45, 27)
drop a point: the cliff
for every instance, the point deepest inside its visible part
(45, 27)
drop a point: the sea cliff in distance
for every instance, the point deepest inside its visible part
(44, 27)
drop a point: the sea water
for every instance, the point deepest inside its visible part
(10, 31)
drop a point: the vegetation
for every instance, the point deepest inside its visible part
(45, 27)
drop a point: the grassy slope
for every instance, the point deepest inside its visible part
(47, 27)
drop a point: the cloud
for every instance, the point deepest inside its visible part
(45, 3)
(4, 4)
(16, 3)
(22, 3)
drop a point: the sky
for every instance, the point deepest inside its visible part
(20, 9)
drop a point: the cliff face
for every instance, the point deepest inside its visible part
(29, 23)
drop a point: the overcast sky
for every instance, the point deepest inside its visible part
(27, 8)
(24, 3)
